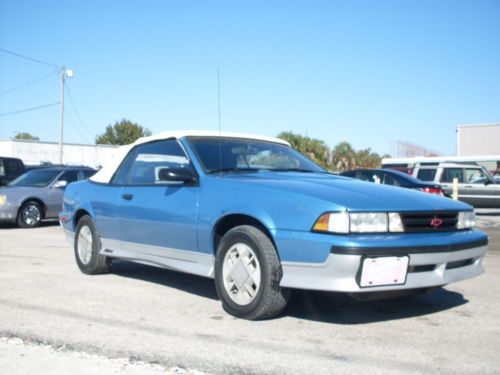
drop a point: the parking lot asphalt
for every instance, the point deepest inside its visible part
(174, 320)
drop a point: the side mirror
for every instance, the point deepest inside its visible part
(488, 181)
(175, 176)
(61, 184)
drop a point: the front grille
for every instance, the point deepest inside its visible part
(440, 221)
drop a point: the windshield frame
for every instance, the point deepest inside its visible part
(190, 140)
(14, 183)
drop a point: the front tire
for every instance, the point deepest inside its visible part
(87, 246)
(248, 273)
(30, 215)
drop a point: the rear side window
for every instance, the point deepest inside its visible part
(2, 168)
(12, 167)
(426, 174)
(86, 174)
(143, 164)
(450, 173)
(69, 176)
(389, 180)
(371, 176)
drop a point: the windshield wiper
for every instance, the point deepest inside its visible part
(233, 169)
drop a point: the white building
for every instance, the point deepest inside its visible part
(481, 139)
(37, 152)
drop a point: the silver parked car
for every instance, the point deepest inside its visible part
(38, 194)
(476, 186)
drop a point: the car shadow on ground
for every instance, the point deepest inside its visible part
(43, 224)
(200, 286)
(337, 308)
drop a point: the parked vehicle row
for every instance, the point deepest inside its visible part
(261, 218)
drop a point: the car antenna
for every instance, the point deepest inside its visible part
(220, 132)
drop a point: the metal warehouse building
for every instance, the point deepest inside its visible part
(481, 139)
(36, 152)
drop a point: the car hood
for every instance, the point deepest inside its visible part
(346, 193)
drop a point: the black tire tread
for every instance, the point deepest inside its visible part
(19, 220)
(274, 298)
(99, 264)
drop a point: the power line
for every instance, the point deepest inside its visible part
(84, 138)
(28, 109)
(27, 84)
(77, 113)
(28, 58)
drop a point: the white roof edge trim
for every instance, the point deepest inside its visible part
(105, 174)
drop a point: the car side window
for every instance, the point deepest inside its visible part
(450, 173)
(143, 164)
(69, 176)
(389, 180)
(475, 176)
(426, 174)
(85, 174)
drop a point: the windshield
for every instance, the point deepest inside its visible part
(233, 155)
(35, 178)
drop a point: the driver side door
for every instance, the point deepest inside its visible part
(156, 219)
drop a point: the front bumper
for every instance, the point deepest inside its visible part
(8, 212)
(429, 266)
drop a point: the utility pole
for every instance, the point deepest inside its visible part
(64, 73)
(61, 137)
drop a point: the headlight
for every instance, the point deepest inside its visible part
(466, 219)
(3, 200)
(359, 222)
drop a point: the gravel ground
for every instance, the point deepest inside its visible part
(139, 320)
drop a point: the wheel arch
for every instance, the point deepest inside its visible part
(230, 221)
(79, 213)
(33, 199)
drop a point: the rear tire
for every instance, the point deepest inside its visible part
(30, 215)
(248, 273)
(87, 247)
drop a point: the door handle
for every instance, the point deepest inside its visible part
(127, 197)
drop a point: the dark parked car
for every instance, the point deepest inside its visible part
(10, 169)
(38, 194)
(394, 178)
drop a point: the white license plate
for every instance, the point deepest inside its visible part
(384, 271)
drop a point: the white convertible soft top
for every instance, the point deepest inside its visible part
(106, 173)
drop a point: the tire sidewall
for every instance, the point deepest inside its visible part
(235, 236)
(20, 219)
(87, 221)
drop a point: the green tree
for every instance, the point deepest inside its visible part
(368, 159)
(343, 157)
(122, 133)
(315, 149)
(26, 136)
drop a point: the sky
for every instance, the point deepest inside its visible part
(366, 72)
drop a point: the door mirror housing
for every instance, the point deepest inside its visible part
(176, 176)
(60, 184)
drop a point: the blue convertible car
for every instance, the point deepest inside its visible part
(261, 218)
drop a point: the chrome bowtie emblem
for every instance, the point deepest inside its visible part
(436, 222)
